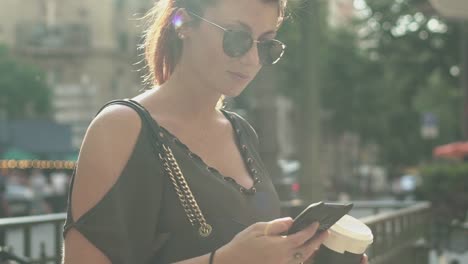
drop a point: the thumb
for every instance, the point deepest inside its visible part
(278, 226)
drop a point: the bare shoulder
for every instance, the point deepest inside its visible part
(113, 131)
(116, 116)
(106, 148)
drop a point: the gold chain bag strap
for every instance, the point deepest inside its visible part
(190, 205)
(172, 169)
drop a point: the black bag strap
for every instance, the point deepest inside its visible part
(171, 167)
(144, 115)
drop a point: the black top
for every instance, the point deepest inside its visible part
(140, 219)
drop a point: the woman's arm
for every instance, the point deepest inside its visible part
(106, 148)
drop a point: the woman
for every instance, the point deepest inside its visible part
(123, 207)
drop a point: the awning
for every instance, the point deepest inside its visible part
(18, 154)
(451, 150)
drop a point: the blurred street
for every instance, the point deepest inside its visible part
(369, 104)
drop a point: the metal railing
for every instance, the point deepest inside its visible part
(361, 207)
(398, 234)
(31, 224)
(401, 236)
(401, 229)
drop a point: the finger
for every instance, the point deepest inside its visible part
(365, 259)
(299, 238)
(275, 227)
(310, 260)
(311, 246)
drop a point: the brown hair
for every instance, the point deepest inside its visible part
(161, 44)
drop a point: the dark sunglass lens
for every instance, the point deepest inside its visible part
(237, 43)
(270, 51)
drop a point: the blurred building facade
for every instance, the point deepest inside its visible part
(87, 49)
(343, 156)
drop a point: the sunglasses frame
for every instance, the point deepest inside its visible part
(254, 41)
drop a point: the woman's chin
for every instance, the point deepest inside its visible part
(233, 91)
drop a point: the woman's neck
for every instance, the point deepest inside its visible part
(188, 97)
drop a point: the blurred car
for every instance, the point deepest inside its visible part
(403, 187)
(287, 185)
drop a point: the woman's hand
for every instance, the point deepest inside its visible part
(364, 259)
(263, 243)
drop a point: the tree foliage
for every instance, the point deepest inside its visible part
(399, 61)
(23, 91)
(418, 52)
(380, 74)
(445, 186)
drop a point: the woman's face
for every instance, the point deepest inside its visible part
(203, 46)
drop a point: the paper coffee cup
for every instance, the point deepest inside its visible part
(349, 238)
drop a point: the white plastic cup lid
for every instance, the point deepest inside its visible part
(349, 235)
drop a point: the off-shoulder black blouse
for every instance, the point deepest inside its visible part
(140, 219)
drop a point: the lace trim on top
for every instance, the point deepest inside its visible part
(243, 149)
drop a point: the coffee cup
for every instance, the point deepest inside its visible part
(348, 240)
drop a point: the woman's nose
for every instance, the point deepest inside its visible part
(251, 57)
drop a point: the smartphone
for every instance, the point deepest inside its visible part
(327, 214)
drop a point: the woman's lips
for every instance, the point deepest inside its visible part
(238, 75)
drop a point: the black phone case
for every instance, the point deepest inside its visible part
(327, 214)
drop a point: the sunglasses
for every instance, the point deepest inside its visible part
(237, 43)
